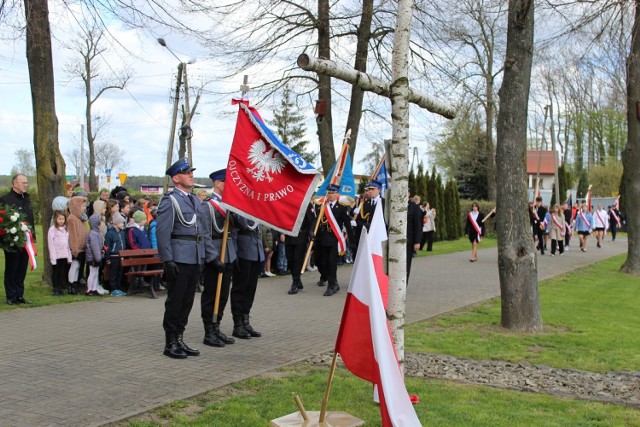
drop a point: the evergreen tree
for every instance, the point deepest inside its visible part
(441, 220)
(421, 185)
(583, 184)
(290, 128)
(432, 192)
(450, 212)
(412, 183)
(458, 216)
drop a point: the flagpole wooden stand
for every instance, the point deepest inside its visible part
(304, 418)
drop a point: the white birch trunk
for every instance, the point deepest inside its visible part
(372, 84)
(399, 165)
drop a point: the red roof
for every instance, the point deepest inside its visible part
(541, 159)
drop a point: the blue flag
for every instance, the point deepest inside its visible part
(347, 183)
(383, 177)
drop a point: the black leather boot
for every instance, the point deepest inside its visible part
(248, 327)
(225, 339)
(73, 288)
(211, 338)
(293, 289)
(190, 351)
(172, 348)
(239, 330)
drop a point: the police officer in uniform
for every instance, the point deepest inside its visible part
(217, 214)
(326, 243)
(245, 276)
(181, 233)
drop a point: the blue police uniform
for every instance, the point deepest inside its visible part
(215, 216)
(181, 245)
(245, 276)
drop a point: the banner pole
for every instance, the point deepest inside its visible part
(335, 179)
(223, 250)
(325, 399)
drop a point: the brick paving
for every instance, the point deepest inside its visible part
(99, 361)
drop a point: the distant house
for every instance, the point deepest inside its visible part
(540, 164)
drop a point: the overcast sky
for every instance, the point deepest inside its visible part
(140, 115)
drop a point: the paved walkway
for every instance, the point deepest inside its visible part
(99, 361)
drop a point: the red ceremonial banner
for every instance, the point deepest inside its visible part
(265, 180)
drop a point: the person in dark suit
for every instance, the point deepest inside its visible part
(296, 248)
(539, 223)
(326, 243)
(245, 276)
(216, 217)
(363, 213)
(414, 232)
(181, 233)
(15, 262)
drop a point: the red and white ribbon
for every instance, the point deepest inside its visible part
(221, 210)
(616, 217)
(342, 243)
(557, 223)
(568, 227)
(30, 247)
(587, 223)
(476, 227)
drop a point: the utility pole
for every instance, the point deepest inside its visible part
(555, 156)
(185, 130)
(244, 87)
(81, 173)
(176, 101)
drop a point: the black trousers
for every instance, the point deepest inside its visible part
(614, 230)
(245, 283)
(428, 238)
(207, 299)
(115, 273)
(180, 296)
(540, 236)
(295, 258)
(559, 244)
(59, 274)
(15, 270)
(326, 258)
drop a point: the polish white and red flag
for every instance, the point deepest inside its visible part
(265, 180)
(364, 341)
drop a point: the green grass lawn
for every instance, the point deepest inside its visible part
(590, 319)
(460, 245)
(257, 400)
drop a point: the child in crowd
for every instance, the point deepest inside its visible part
(59, 252)
(136, 235)
(557, 230)
(77, 240)
(94, 249)
(113, 207)
(115, 242)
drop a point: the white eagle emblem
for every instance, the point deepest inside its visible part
(265, 161)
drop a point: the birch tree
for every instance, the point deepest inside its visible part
(400, 167)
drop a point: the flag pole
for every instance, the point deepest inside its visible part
(377, 169)
(325, 399)
(223, 251)
(335, 179)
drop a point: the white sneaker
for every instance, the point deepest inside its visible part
(102, 291)
(269, 274)
(312, 268)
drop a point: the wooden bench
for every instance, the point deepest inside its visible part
(133, 262)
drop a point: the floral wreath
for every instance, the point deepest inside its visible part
(13, 229)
